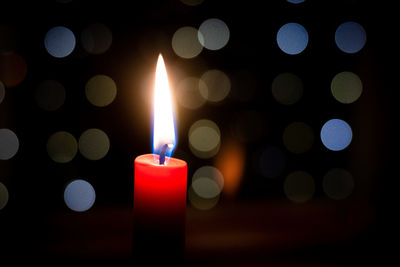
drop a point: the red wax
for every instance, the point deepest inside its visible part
(159, 205)
(160, 189)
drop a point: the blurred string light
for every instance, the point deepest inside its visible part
(218, 85)
(210, 188)
(201, 203)
(350, 37)
(338, 183)
(299, 186)
(230, 161)
(295, 1)
(272, 162)
(13, 69)
(204, 138)
(336, 134)
(287, 88)
(188, 92)
(94, 144)
(292, 38)
(213, 34)
(100, 90)
(3, 196)
(298, 137)
(185, 42)
(207, 184)
(96, 38)
(62, 147)
(205, 188)
(188, 42)
(346, 87)
(79, 195)
(59, 41)
(192, 2)
(2, 92)
(50, 95)
(213, 86)
(9, 144)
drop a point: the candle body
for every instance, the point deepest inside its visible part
(159, 207)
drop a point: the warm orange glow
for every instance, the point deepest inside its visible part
(230, 162)
(164, 127)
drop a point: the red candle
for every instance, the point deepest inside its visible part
(160, 186)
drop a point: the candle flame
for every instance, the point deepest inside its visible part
(164, 126)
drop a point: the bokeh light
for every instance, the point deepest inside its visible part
(62, 147)
(94, 144)
(13, 69)
(2, 92)
(272, 162)
(213, 34)
(188, 92)
(3, 196)
(204, 138)
(9, 144)
(79, 195)
(192, 2)
(298, 137)
(211, 173)
(338, 183)
(287, 88)
(346, 87)
(217, 86)
(201, 203)
(295, 1)
(299, 186)
(231, 163)
(292, 38)
(350, 37)
(100, 90)
(50, 95)
(206, 186)
(336, 134)
(185, 42)
(96, 38)
(59, 41)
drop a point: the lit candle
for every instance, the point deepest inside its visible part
(160, 187)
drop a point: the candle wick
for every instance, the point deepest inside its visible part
(163, 151)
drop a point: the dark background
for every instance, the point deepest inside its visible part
(36, 223)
